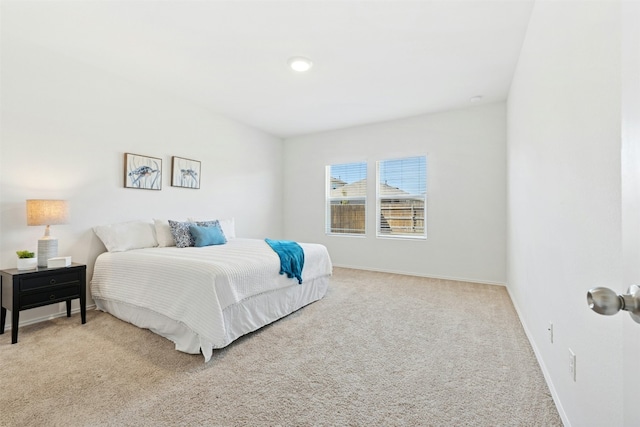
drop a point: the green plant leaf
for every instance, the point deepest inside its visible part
(25, 254)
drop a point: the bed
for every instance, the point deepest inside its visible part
(203, 298)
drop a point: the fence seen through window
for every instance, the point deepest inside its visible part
(401, 198)
(346, 198)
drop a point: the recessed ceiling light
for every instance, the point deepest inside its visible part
(476, 98)
(300, 64)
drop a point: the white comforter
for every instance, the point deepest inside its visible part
(194, 285)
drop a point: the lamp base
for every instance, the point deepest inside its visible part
(47, 248)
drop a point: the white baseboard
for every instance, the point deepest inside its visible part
(7, 326)
(430, 276)
(543, 367)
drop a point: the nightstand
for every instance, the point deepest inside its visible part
(25, 289)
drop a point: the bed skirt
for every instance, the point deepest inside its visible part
(241, 318)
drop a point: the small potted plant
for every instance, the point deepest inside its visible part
(26, 260)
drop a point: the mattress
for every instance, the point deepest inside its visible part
(204, 298)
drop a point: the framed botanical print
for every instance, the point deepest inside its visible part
(142, 172)
(185, 172)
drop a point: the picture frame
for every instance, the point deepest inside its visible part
(185, 173)
(142, 172)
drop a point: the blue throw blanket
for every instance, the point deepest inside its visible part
(291, 257)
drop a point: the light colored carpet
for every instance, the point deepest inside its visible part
(378, 350)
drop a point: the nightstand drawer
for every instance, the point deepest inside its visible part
(48, 297)
(30, 283)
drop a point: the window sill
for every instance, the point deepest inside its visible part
(345, 235)
(385, 237)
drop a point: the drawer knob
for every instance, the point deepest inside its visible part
(52, 281)
(52, 297)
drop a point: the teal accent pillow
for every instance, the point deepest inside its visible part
(207, 236)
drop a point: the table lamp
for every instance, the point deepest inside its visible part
(47, 212)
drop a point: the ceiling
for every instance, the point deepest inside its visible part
(373, 60)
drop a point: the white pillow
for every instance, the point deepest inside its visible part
(125, 236)
(163, 233)
(228, 226)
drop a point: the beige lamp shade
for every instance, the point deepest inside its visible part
(47, 212)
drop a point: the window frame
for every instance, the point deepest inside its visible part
(329, 200)
(408, 196)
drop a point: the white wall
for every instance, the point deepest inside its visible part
(65, 129)
(466, 207)
(564, 195)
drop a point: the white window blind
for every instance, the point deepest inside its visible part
(346, 200)
(401, 197)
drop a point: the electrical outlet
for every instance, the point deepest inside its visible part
(550, 332)
(572, 364)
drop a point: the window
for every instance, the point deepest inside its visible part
(401, 197)
(346, 198)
